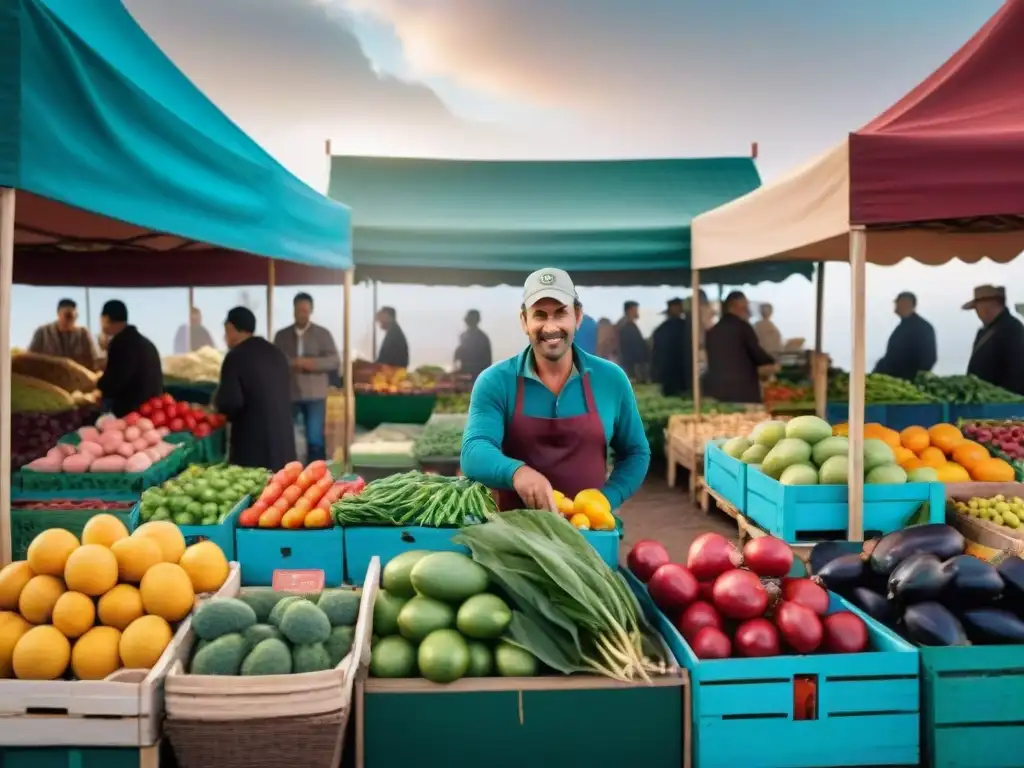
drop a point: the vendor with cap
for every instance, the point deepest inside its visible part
(998, 353)
(543, 420)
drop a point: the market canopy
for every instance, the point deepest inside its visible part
(939, 175)
(127, 175)
(474, 222)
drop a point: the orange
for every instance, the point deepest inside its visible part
(952, 473)
(932, 457)
(915, 438)
(903, 454)
(992, 470)
(914, 463)
(968, 453)
(945, 437)
(888, 436)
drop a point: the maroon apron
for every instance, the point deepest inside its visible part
(571, 453)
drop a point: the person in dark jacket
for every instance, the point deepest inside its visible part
(255, 395)
(394, 349)
(633, 351)
(998, 354)
(734, 355)
(911, 346)
(133, 373)
(473, 355)
(671, 357)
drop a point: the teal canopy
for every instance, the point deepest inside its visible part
(94, 116)
(609, 222)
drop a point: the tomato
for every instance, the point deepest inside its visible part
(271, 493)
(182, 409)
(166, 399)
(304, 504)
(158, 418)
(292, 493)
(156, 402)
(293, 466)
(260, 506)
(146, 409)
(282, 504)
(190, 422)
(317, 469)
(176, 425)
(250, 518)
(202, 430)
(272, 517)
(132, 418)
(304, 480)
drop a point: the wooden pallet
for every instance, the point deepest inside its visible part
(681, 452)
(707, 495)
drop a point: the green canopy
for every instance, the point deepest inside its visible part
(472, 222)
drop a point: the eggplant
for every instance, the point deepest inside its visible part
(992, 626)
(1011, 571)
(932, 624)
(841, 574)
(972, 582)
(873, 604)
(943, 541)
(825, 552)
(918, 578)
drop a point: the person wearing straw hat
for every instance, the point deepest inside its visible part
(998, 353)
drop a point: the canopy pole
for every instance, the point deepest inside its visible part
(350, 389)
(373, 320)
(819, 365)
(191, 309)
(6, 278)
(695, 338)
(88, 311)
(858, 254)
(270, 299)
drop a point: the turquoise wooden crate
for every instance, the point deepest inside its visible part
(964, 411)
(868, 704)
(386, 542)
(802, 513)
(839, 413)
(77, 757)
(26, 524)
(261, 551)
(972, 704)
(223, 534)
(899, 416)
(725, 475)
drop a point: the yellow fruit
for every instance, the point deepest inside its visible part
(135, 556)
(104, 529)
(206, 566)
(945, 437)
(12, 627)
(915, 439)
(597, 509)
(49, 551)
(42, 653)
(992, 470)
(96, 654)
(91, 570)
(952, 473)
(13, 579)
(932, 457)
(563, 503)
(74, 614)
(144, 641)
(39, 597)
(120, 606)
(580, 521)
(167, 592)
(167, 535)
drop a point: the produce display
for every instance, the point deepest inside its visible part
(588, 511)
(452, 403)
(1003, 439)
(996, 509)
(781, 393)
(919, 582)
(112, 446)
(202, 495)
(265, 632)
(878, 388)
(71, 505)
(298, 497)
(416, 498)
(32, 395)
(427, 379)
(201, 366)
(165, 411)
(62, 372)
(727, 603)
(955, 458)
(439, 441)
(715, 426)
(963, 389)
(84, 609)
(33, 434)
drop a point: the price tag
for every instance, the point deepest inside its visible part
(310, 580)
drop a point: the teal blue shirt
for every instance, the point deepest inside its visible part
(494, 400)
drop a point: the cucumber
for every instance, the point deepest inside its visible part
(448, 576)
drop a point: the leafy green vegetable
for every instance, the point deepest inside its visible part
(415, 498)
(439, 441)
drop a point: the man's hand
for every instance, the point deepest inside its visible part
(302, 364)
(534, 489)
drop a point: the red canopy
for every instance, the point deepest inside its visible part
(953, 147)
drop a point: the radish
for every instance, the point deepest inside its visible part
(799, 626)
(645, 558)
(711, 554)
(698, 615)
(739, 594)
(806, 593)
(711, 643)
(672, 587)
(768, 557)
(756, 638)
(844, 632)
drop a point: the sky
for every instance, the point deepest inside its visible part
(566, 79)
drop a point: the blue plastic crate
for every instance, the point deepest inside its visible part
(839, 413)
(222, 534)
(725, 475)
(261, 551)
(972, 698)
(959, 411)
(903, 415)
(868, 704)
(385, 542)
(795, 513)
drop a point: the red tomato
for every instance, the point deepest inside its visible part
(156, 402)
(282, 504)
(260, 506)
(176, 425)
(304, 480)
(202, 430)
(317, 469)
(292, 493)
(146, 409)
(132, 418)
(158, 418)
(271, 493)
(166, 399)
(182, 410)
(250, 518)
(190, 422)
(293, 466)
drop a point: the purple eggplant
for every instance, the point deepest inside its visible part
(873, 604)
(917, 579)
(992, 626)
(1011, 571)
(841, 574)
(943, 541)
(932, 624)
(972, 582)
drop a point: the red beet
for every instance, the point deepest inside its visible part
(806, 593)
(645, 558)
(799, 626)
(711, 643)
(672, 587)
(756, 638)
(739, 594)
(711, 554)
(844, 632)
(698, 615)
(768, 557)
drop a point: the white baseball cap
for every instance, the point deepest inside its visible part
(549, 283)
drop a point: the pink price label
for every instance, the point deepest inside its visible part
(311, 580)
